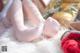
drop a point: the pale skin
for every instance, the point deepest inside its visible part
(22, 32)
(32, 13)
(27, 9)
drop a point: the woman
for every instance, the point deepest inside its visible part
(35, 22)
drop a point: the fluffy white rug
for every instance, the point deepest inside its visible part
(44, 46)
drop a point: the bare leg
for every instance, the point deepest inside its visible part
(22, 32)
(16, 15)
(32, 12)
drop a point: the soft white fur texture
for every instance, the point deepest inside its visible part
(43, 46)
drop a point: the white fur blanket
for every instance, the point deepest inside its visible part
(43, 46)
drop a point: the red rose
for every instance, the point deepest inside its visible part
(71, 43)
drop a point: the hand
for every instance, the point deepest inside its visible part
(75, 25)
